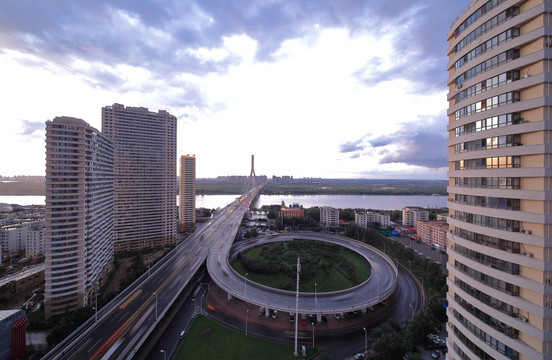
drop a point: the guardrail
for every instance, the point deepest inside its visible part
(351, 245)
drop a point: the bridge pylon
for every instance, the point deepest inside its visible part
(252, 180)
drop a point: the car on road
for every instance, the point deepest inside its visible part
(274, 314)
(324, 320)
(291, 317)
(359, 356)
(436, 354)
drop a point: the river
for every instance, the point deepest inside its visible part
(376, 202)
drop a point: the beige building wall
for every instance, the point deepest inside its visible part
(500, 284)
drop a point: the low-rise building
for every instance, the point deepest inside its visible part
(293, 211)
(364, 219)
(12, 334)
(413, 214)
(433, 232)
(16, 238)
(329, 216)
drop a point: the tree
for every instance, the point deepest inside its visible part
(272, 214)
(390, 343)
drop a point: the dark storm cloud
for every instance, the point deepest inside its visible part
(421, 149)
(420, 51)
(417, 143)
(62, 31)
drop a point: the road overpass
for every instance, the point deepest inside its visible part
(121, 327)
(381, 284)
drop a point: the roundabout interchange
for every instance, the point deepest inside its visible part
(377, 288)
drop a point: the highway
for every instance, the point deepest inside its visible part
(378, 287)
(124, 324)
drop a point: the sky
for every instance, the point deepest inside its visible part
(312, 88)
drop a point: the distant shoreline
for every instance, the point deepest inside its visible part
(320, 187)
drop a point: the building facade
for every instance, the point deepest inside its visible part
(293, 211)
(329, 216)
(365, 219)
(145, 176)
(79, 214)
(500, 294)
(433, 232)
(187, 216)
(412, 214)
(12, 334)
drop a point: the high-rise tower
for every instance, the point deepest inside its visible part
(500, 278)
(145, 176)
(79, 214)
(187, 192)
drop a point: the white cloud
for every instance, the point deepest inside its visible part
(320, 88)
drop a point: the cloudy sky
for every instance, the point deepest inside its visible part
(312, 88)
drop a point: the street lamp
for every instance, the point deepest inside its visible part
(155, 306)
(315, 295)
(312, 323)
(412, 310)
(365, 340)
(246, 312)
(96, 307)
(410, 265)
(245, 285)
(164, 354)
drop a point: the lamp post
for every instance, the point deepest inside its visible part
(96, 307)
(365, 340)
(411, 310)
(245, 285)
(312, 323)
(315, 295)
(410, 265)
(246, 312)
(155, 306)
(164, 354)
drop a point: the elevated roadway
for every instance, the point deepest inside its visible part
(380, 285)
(122, 326)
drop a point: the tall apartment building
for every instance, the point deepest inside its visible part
(186, 209)
(79, 214)
(329, 216)
(500, 121)
(412, 214)
(145, 176)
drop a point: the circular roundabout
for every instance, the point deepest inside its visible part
(381, 283)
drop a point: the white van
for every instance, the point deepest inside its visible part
(182, 334)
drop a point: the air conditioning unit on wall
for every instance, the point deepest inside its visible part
(527, 253)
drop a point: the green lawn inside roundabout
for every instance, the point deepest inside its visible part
(331, 267)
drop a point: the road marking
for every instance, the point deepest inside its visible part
(79, 349)
(125, 304)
